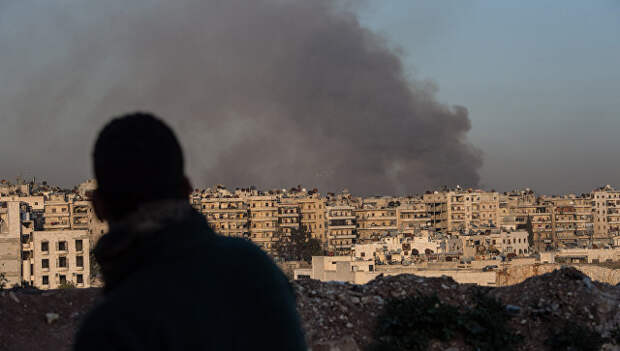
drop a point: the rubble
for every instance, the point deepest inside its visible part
(341, 316)
(51, 317)
(540, 305)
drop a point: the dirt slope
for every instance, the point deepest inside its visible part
(345, 317)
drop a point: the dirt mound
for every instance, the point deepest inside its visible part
(32, 320)
(557, 310)
(542, 309)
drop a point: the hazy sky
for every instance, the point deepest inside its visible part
(541, 80)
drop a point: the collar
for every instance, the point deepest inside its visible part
(143, 236)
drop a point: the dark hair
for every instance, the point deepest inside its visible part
(137, 159)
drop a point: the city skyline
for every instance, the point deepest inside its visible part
(539, 107)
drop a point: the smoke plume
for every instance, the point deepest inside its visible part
(269, 93)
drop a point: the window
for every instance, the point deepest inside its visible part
(78, 245)
(62, 262)
(45, 246)
(62, 246)
(45, 263)
(45, 280)
(79, 278)
(63, 279)
(79, 261)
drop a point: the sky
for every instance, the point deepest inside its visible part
(540, 80)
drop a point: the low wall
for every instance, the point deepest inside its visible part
(517, 274)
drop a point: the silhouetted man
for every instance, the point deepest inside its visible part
(171, 283)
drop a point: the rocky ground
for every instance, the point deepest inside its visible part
(560, 310)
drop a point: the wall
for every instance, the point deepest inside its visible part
(10, 245)
(517, 274)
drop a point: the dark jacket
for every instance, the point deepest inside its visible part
(183, 287)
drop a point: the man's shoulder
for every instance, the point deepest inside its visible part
(236, 244)
(235, 247)
(244, 258)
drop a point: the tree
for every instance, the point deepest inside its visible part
(3, 280)
(296, 245)
(67, 284)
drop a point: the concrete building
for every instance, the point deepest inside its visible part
(60, 257)
(313, 216)
(606, 214)
(412, 216)
(462, 210)
(375, 223)
(226, 215)
(263, 214)
(10, 242)
(341, 229)
(485, 211)
(572, 221)
(346, 269)
(52, 228)
(289, 216)
(505, 243)
(581, 256)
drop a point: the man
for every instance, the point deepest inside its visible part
(171, 283)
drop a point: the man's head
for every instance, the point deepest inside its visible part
(137, 159)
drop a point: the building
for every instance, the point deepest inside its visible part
(375, 223)
(263, 214)
(227, 215)
(313, 216)
(347, 269)
(496, 243)
(462, 210)
(289, 217)
(572, 221)
(10, 242)
(606, 214)
(44, 259)
(412, 216)
(341, 229)
(60, 258)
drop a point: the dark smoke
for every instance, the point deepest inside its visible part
(265, 92)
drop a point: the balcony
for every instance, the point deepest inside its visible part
(288, 214)
(330, 217)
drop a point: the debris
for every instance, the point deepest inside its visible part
(512, 309)
(345, 316)
(13, 297)
(51, 317)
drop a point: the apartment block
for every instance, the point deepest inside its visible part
(485, 210)
(375, 223)
(411, 217)
(507, 243)
(606, 213)
(10, 242)
(263, 214)
(572, 221)
(462, 210)
(341, 229)
(60, 257)
(313, 218)
(289, 217)
(227, 216)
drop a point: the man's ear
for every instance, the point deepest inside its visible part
(99, 206)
